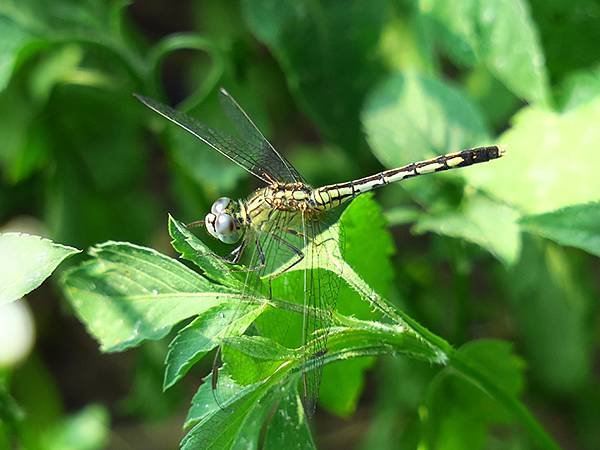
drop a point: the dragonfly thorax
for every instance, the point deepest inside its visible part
(224, 221)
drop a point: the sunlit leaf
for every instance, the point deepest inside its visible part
(26, 261)
(409, 117)
(482, 221)
(193, 249)
(576, 226)
(86, 430)
(289, 427)
(234, 421)
(253, 358)
(551, 160)
(481, 30)
(342, 385)
(206, 332)
(371, 259)
(579, 88)
(128, 293)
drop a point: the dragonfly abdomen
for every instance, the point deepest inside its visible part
(330, 196)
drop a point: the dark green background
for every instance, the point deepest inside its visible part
(344, 89)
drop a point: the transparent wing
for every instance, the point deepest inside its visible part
(261, 161)
(263, 252)
(266, 155)
(320, 296)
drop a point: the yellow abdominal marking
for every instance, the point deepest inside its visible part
(454, 161)
(429, 168)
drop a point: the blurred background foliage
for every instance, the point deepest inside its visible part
(344, 88)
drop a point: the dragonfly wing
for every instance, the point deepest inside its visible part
(320, 296)
(263, 252)
(261, 149)
(240, 153)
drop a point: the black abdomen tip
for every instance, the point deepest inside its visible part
(482, 154)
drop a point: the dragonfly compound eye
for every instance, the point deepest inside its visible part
(220, 205)
(226, 229)
(210, 222)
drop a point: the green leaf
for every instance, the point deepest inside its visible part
(193, 249)
(551, 160)
(482, 221)
(371, 258)
(93, 23)
(128, 293)
(102, 167)
(551, 299)
(484, 31)
(112, 154)
(579, 88)
(10, 412)
(410, 116)
(576, 226)
(55, 67)
(206, 332)
(205, 166)
(14, 40)
(342, 384)
(232, 421)
(23, 138)
(86, 430)
(289, 427)
(343, 38)
(458, 415)
(254, 358)
(26, 261)
(569, 33)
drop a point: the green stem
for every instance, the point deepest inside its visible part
(448, 355)
(188, 41)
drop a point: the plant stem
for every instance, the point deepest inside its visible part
(449, 356)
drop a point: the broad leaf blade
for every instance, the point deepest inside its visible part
(289, 427)
(551, 160)
(371, 258)
(409, 117)
(14, 39)
(194, 250)
(343, 36)
(482, 221)
(26, 261)
(576, 226)
(456, 414)
(206, 332)
(483, 31)
(232, 416)
(130, 293)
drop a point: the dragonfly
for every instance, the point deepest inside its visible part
(286, 215)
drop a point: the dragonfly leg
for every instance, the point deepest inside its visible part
(302, 235)
(261, 257)
(233, 257)
(236, 254)
(299, 253)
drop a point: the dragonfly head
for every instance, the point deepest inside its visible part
(224, 221)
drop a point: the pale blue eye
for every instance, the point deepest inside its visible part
(225, 224)
(220, 205)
